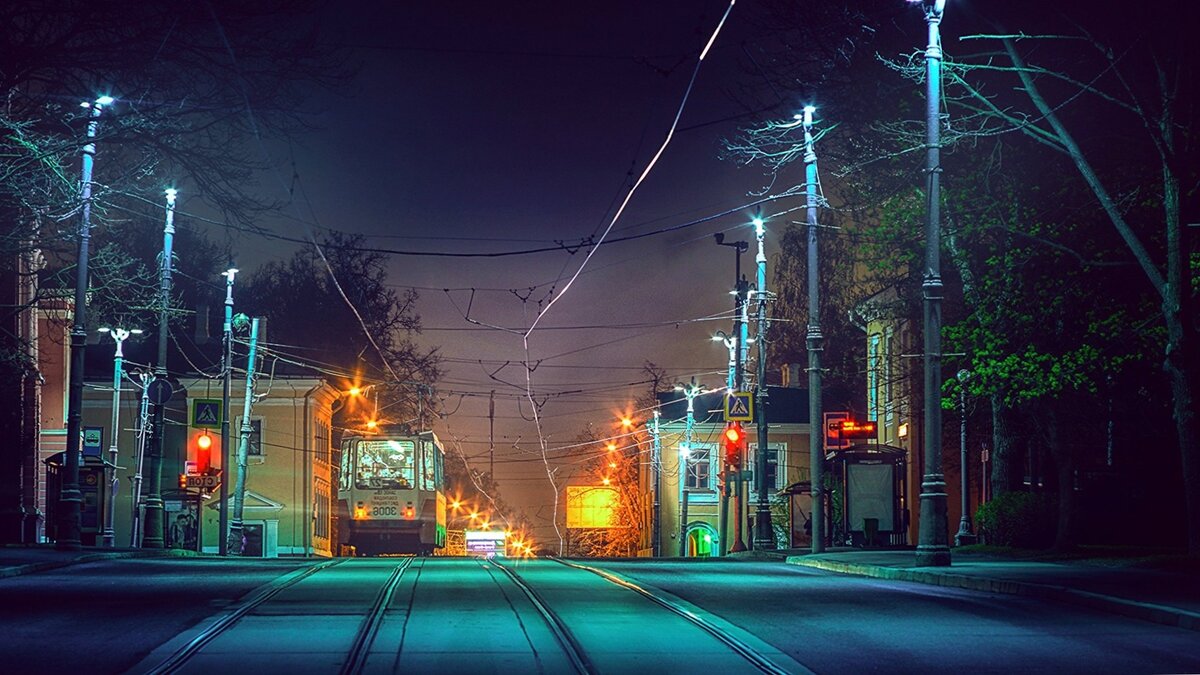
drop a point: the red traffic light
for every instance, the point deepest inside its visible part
(734, 440)
(204, 442)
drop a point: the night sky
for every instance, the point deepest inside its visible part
(493, 127)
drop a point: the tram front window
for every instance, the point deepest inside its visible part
(385, 465)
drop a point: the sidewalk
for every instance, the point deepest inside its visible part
(18, 560)
(1167, 597)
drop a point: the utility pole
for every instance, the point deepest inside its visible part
(764, 532)
(239, 493)
(108, 540)
(739, 348)
(154, 504)
(70, 499)
(492, 434)
(135, 536)
(727, 476)
(815, 342)
(227, 376)
(656, 446)
(933, 549)
(690, 392)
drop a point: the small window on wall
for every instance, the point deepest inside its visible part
(256, 438)
(428, 466)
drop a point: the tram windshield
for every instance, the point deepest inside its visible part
(385, 464)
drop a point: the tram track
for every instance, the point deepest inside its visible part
(571, 646)
(578, 653)
(360, 645)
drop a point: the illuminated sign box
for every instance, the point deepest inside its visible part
(486, 543)
(591, 506)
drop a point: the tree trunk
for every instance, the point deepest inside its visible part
(1006, 460)
(1064, 468)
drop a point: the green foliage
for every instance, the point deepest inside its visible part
(1021, 519)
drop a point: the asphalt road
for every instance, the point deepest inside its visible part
(460, 615)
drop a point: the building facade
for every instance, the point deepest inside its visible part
(692, 474)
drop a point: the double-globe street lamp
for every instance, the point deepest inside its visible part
(119, 336)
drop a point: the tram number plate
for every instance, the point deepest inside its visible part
(385, 511)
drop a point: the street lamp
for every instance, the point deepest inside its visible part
(119, 336)
(965, 535)
(814, 341)
(70, 499)
(933, 548)
(690, 392)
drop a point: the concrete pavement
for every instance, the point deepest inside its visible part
(1167, 597)
(18, 560)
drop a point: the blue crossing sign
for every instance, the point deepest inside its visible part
(206, 413)
(739, 406)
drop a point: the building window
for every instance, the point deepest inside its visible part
(321, 442)
(699, 469)
(255, 448)
(873, 377)
(776, 457)
(889, 374)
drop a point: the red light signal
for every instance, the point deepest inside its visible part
(202, 445)
(734, 440)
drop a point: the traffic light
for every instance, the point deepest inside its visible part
(183, 481)
(734, 440)
(202, 445)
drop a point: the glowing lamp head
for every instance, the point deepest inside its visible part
(104, 100)
(204, 442)
(626, 422)
(171, 194)
(611, 447)
(372, 424)
(354, 391)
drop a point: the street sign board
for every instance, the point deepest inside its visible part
(93, 440)
(159, 391)
(486, 543)
(206, 413)
(204, 482)
(833, 430)
(739, 406)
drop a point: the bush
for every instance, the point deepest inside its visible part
(1020, 519)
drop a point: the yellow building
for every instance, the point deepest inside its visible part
(691, 472)
(289, 486)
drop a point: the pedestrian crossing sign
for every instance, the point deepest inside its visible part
(206, 413)
(739, 407)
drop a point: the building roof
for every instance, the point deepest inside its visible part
(785, 405)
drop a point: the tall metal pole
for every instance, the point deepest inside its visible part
(656, 445)
(154, 504)
(764, 532)
(239, 493)
(108, 540)
(70, 499)
(815, 342)
(135, 499)
(933, 547)
(965, 536)
(690, 391)
(227, 376)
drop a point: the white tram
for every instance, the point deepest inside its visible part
(391, 495)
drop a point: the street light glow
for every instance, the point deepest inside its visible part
(104, 100)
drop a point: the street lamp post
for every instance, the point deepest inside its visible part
(153, 538)
(965, 536)
(814, 341)
(933, 548)
(227, 374)
(70, 499)
(764, 532)
(108, 540)
(690, 392)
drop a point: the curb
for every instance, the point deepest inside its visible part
(1168, 616)
(46, 565)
